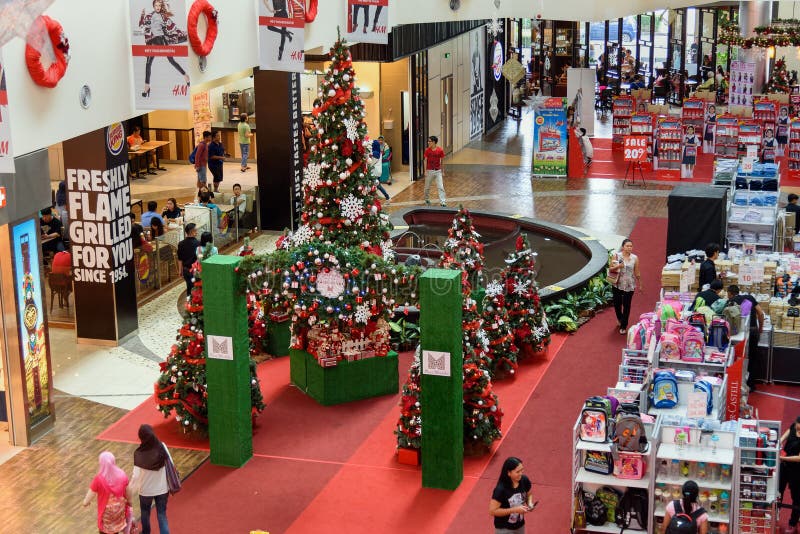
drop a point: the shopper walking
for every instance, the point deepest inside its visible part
(110, 486)
(708, 270)
(686, 510)
(160, 30)
(754, 363)
(201, 160)
(511, 498)
(187, 254)
(433, 169)
(625, 264)
(586, 149)
(216, 156)
(790, 470)
(245, 134)
(375, 164)
(386, 161)
(150, 478)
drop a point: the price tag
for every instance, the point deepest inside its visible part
(747, 163)
(697, 404)
(749, 249)
(635, 147)
(746, 274)
(752, 151)
(687, 279)
(757, 272)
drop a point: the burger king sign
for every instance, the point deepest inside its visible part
(115, 138)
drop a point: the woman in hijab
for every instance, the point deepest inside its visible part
(110, 487)
(150, 478)
(376, 167)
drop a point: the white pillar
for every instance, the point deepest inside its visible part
(752, 14)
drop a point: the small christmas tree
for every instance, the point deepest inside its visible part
(409, 426)
(502, 353)
(525, 312)
(482, 413)
(181, 387)
(779, 79)
(462, 250)
(339, 201)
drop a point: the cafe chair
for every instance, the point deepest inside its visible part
(61, 285)
(167, 261)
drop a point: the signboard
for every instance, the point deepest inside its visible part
(550, 139)
(201, 110)
(476, 94)
(435, 363)
(497, 60)
(733, 394)
(220, 347)
(6, 154)
(513, 71)
(749, 249)
(697, 403)
(741, 84)
(160, 55)
(32, 323)
(635, 148)
(281, 36)
(330, 284)
(747, 163)
(687, 279)
(367, 21)
(751, 273)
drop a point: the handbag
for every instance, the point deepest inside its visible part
(173, 479)
(613, 276)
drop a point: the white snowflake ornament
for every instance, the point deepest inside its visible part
(361, 314)
(352, 129)
(494, 289)
(312, 175)
(303, 235)
(351, 207)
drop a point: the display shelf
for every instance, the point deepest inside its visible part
(756, 474)
(587, 477)
(701, 483)
(765, 112)
(726, 139)
(670, 153)
(591, 446)
(794, 149)
(693, 114)
(642, 124)
(622, 111)
(713, 518)
(669, 451)
(750, 134)
(753, 212)
(608, 527)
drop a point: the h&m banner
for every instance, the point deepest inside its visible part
(550, 138)
(6, 154)
(367, 21)
(160, 54)
(477, 78)
(281, 35)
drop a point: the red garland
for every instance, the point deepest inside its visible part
(33, 56)
(203, 48)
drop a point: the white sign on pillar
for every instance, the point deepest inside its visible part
(6, 154)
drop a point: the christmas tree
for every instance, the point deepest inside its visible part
(525, 312)
(779, 79)
(409, 426)
(339, 194)
(462, 250)
(502, 353)
(256, 317)
(181, 387)
(482, 413)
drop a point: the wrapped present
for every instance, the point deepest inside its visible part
(328, 362)
(369, 353)
(278, 316)
(351, 355)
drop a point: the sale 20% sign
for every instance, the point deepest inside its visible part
(635, 148)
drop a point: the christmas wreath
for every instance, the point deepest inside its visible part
(202, 48)
(311, 12)
(45, 27)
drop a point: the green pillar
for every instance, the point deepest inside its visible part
(230, 427)
(442, 397)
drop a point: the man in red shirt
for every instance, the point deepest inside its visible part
(433, 169)
(201, 159)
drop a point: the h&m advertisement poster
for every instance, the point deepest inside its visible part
(741, 84)
(32, 324)
(477, 77)
(281, 35)
(367, 21)
(160, 54)
(6, 154)
(550, 138)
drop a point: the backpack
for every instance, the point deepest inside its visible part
(692, 346)
(634, 505)
(708, 389)
(675, 326)
(733, 314)
(670, 346)
(599, 462)
(611, 498)
(719, 335)
(629, 434)
(595, 418)
(192, 155)
(683, 523)
(113, 519)
(596, 511)
(639, 335)
(665, 390)
(719, 306)
(614, 405)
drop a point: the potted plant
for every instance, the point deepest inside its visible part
(404, 334)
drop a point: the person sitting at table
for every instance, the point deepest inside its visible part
(137, 232)
(135, 141)
(239, 200)
(156, 227)
(171, 212)
(638, 82)
(708, 84)
(204, 189)
(52, 229)
(205, 200)
(151, 213)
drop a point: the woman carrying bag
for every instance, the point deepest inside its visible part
(624, 276)
(152, 465)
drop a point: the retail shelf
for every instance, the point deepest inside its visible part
(702, 483)
(586, 477)
(591, 446)
(714, 518)
(749, 223)
(608, 527)
(692, 364)
(746, 243)
(695, 454)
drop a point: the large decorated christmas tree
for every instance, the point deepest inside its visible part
(462, 250)
(502, 352)
(181, 387)
(525, 312)
(779, 79)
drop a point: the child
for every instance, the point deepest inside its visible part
(711, 121)
(690, 143)
(586, 148)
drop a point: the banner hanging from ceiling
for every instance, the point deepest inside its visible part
(281, 35)
(367, 21)
(6, 154)
(160, 54)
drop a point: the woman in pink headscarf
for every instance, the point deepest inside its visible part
(110, 486)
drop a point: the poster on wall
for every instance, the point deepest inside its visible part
(201, 112)
(476, 92)
(550, 138)
(32, 322)
(281, 35)
(6, 154)
(160, 54)
(741, 84)
(367, 21)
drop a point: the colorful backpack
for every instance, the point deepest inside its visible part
(733, 314)
(719, 306)
(611, 497)
(708, 389)
(665, 390)
(719, 335)
(693, 344)
(634, 505)
(596, 511)
(595, 418)
(674, 326)
(670, 346)
(629, 434)
(599, 462)
(638, 335)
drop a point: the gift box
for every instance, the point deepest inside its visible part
(278, 316)
(328, 361)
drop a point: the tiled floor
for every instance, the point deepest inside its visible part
(42, 485)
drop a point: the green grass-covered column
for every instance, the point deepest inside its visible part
(441, 396)
(230, 426)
